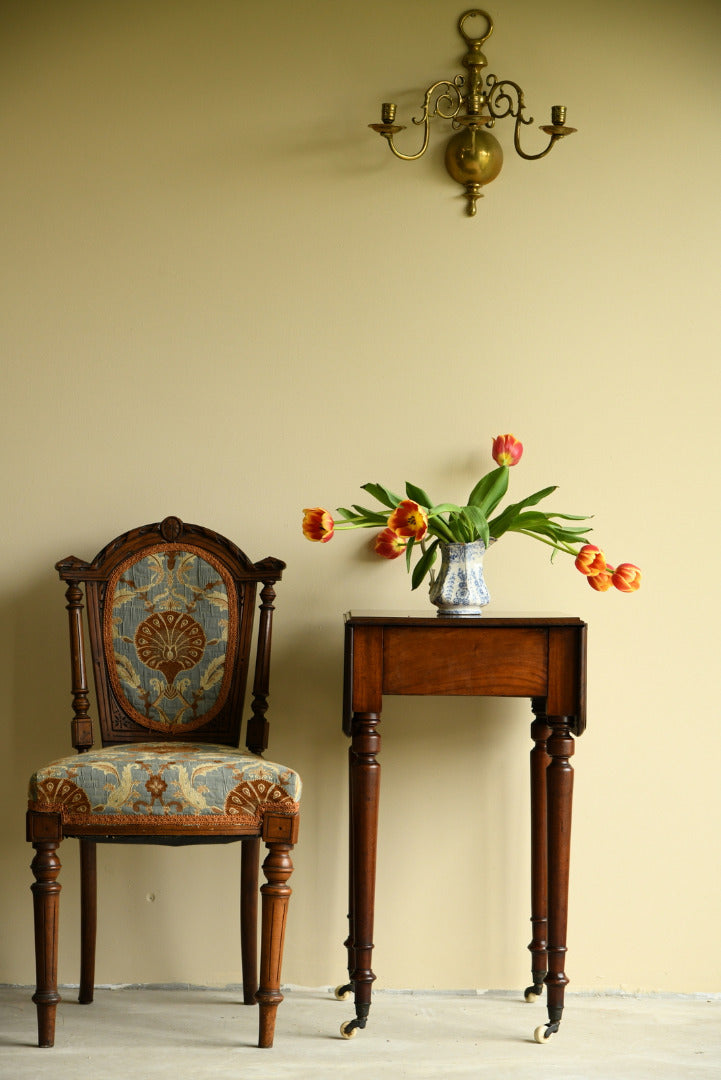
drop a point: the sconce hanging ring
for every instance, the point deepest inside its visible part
(477, 41)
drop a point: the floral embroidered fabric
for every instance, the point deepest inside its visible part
(167, 630)
(163, 781)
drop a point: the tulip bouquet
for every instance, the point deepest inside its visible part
(415, 521)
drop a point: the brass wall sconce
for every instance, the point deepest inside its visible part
(473, 156)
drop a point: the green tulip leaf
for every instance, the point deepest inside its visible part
(444, 508)
(572, 517)
(489, 491)
(418, 495)
(505, 520)
(382, 494)
(372, 517)
(460, 528)
(478, 521)
(409, 549)
(424, 564)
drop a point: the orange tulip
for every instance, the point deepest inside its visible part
(506, 450)
(601, 581)
(408, 520)
(389, 544)
(318, 524)
(627, 577)
(591, 560)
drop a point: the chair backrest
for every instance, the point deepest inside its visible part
(170, 610)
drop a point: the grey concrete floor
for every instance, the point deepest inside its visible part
(201, 1034)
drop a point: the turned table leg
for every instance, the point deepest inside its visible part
(364, 795)
(540, 730)
(559, 778)
(342, 991)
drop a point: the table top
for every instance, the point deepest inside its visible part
(422, 618)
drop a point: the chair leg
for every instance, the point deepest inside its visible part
(46, 905)
(275, 895)
(249, 860)
(88, 919)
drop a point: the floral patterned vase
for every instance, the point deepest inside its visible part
(459, 588)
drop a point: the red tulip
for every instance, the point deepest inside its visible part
(318, 524)
(590, 560)
(389, 544)
(408, 520)
(602, 581)
(627, 577)
(506, 450)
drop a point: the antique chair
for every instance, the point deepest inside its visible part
(170, 611)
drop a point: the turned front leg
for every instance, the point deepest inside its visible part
(559, 777)
(279, 835)
(46, 905)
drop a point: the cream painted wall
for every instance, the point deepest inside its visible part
(223, 299)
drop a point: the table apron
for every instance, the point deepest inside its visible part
(499, 662)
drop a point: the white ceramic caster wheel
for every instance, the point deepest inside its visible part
(347, 1031)
(530, 997)
(540, 1034)
(340, 993)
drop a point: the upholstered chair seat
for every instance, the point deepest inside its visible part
(160, 784)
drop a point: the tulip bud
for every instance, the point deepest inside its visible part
(389, 544)
(506, 450)
(318, 525)
(590, 560)
(627, 577)
(602, 581)
(408, 520)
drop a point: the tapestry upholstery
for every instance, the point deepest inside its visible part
(167, 630)
(161, 784)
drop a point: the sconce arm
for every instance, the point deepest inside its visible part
(410, 157)
(517, 141)
(505, 98)
(446, 105)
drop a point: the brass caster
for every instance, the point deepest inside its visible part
(530, 995)
(349, 1029)
(342, 992)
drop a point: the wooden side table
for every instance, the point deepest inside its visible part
(541, 657)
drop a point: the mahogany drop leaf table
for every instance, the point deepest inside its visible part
(540, 657)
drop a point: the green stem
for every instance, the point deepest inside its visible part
(356, 525)
(441, 530)
(559, 547)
